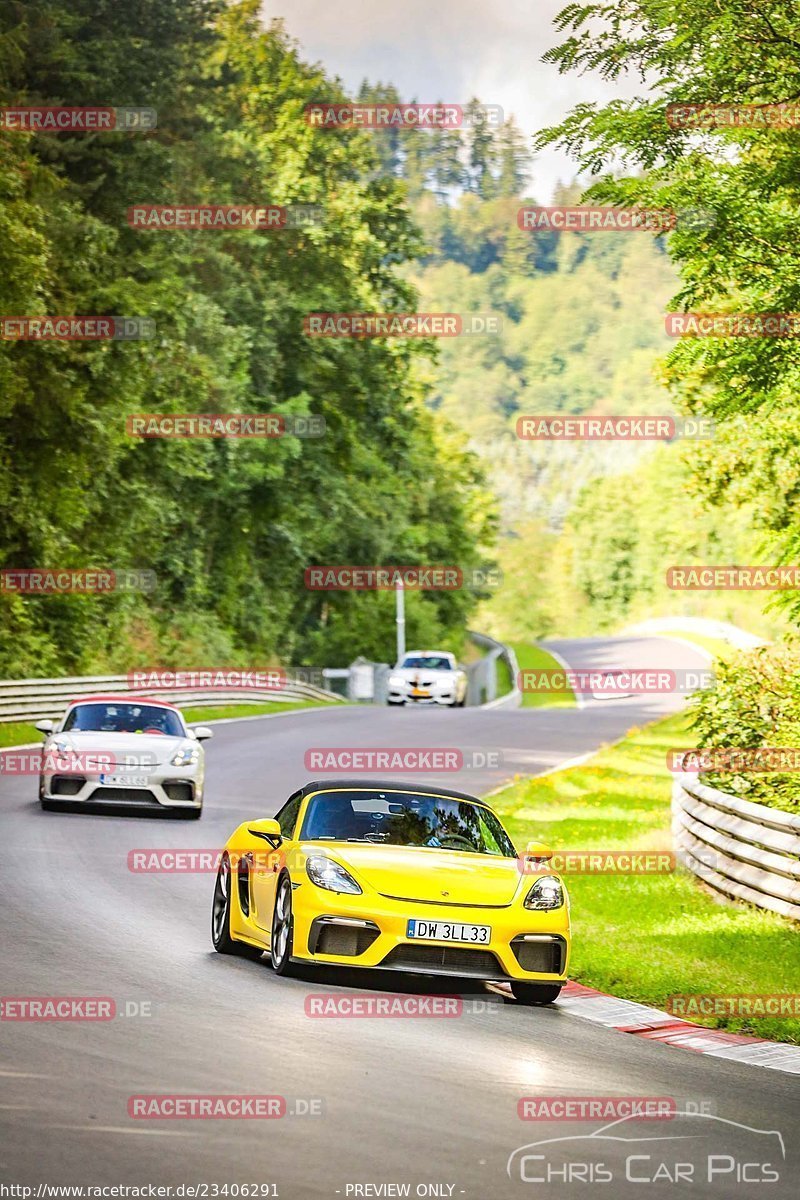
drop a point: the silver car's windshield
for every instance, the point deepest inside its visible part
(123, 718)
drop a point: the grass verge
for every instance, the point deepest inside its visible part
(716, 647)
(199, 716)
(648, 937)
(18, 733)
(531, 657)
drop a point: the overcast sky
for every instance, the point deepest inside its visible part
(451, 50)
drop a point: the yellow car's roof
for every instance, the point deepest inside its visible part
(384, 785)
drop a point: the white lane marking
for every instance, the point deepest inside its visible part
(562, 662)
(608, 1010)
(125, 1129)
(774, 1055)
(22, 1075)
(613, 1013)
(569, 762)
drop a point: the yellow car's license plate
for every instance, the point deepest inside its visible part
(449, 931)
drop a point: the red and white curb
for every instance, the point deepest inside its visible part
(629, 1017)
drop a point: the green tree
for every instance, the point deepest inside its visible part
(734, 189)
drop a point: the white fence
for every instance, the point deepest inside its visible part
(35, 699)
(745, 851)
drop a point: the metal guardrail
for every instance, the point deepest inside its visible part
(36, 699)
(744, 850)
(482, 675)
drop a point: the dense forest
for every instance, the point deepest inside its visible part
(588, 529)
(227, 526)
(420, 462)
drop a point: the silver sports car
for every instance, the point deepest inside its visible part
(123, 751)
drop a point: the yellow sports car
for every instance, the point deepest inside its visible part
(394, 877)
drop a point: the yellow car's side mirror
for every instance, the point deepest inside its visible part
(538, 850)
(268, 829)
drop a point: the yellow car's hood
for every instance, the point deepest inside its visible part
(425, 873)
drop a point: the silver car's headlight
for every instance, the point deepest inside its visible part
(186, 757)
(396, 681)
(326, 873)
(545, 894)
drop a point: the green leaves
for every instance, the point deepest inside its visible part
(228, 527)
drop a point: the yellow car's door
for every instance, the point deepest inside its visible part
(268, 862)
(264, 876)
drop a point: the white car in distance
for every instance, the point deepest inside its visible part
(428, 677)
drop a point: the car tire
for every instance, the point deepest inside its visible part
(281, 940)
(221, 938)
(535, 993)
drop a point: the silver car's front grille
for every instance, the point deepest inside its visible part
(119, 795)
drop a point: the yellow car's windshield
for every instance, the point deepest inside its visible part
(405, 819)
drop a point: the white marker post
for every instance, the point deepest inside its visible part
(400, 610)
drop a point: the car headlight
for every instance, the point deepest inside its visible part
(396, 681)
(326, 873)
(186, 757)
(546, 893)
(60, 746)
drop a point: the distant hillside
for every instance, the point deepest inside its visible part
(582, 332)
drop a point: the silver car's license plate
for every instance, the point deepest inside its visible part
(449, 931)
(125, 780)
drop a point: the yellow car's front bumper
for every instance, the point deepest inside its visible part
(371, 931)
